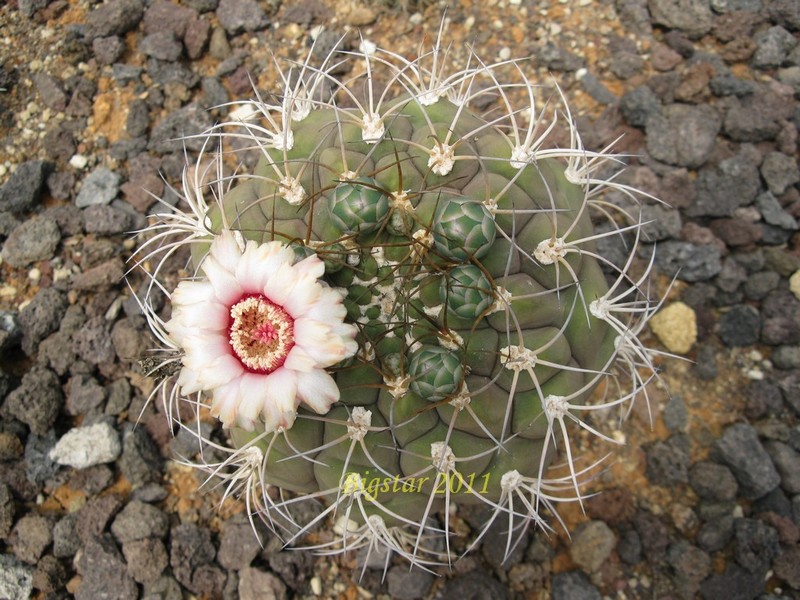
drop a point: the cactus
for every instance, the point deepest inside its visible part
(467, 316)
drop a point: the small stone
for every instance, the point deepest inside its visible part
(734, 583)
(572, 585)
(86, 446)
(106, 275)
(139, 520)
(146, 558)
(675, 415)
(755, 544)
(736, 232)
(408, 585)
(37, 401)
(108, 50)
(22, 190)
(16, 579)
(688, 261)
(106, 220)
(163, 45)
(255, 584)
(191, 548)
(780, 172)
(712, 481)
(756, 117)
(787, 461)
(787, 566)
(721, 189)
(84, 395)
(95, 515)
(140, 462)
(41, 317)
(693, 17)
(676, 327)
(49, 575)
(237, 16)
(93, 342)
(786, 357)
(218, 46)
(626, 64)
(629, 547)
(104, 574)
(238, 545)
(740, 326)
(668, 462)
(65, 542)
(592, 544)
(639, 105)
(761, 283)
(101, 186)
(475, 585)
(690, 566)
(772, 47)
(30, 536)
(740, 448)
(683, 135)
(557, 58)
(715, 534)
(174, 132)
(33, 240)
(116, 17)
(196, 38)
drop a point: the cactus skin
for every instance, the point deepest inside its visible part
(485, 319)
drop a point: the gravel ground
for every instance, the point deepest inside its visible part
(703, 503)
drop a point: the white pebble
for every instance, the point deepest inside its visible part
(83, 447)
(79, 161)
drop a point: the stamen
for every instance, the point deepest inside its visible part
(261, 334)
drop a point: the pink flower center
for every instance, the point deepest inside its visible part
(261, 333)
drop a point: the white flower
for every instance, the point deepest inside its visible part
(258, 333)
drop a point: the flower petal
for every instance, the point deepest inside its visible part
(280, 405)
(226, 286)
(299, 360)
(317, 390)
(226, 250)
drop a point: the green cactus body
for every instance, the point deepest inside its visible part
(465, 252)
(433, 301)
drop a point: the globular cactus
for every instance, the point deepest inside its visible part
(402, 305)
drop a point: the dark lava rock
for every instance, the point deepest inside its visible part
(712, 481)
(163, 45)
(687, 261)
(106, 220)
(238, 544)
(41, 317)
(787, 461)
(49, 575)
(773, 214)
(140, 462)
(33, 240)
(84, 395)
(115, 17)
(639, 105)
(740, 326)
(734, 584)
(772, 47)
(93, 342)
(740, 448)
(408, 585)
(37, 401)
(690, 565)
(756, 117)
(682, 134)
(693, 17)
(763, 398)
(21, 192)
(139, 520)
(779, 171)
(146, 558)
(755, 544)
(722, 189)
(574, 585)
(715, 534)
(30, 536)
(237, 16)
(95, 515)
(190, 549)
(668, 462)
(108, 50)
(104, 574)
(101, 186)
(65, 542)
(172, 133)
(475, 585)
(653, 534)
(162, 16)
